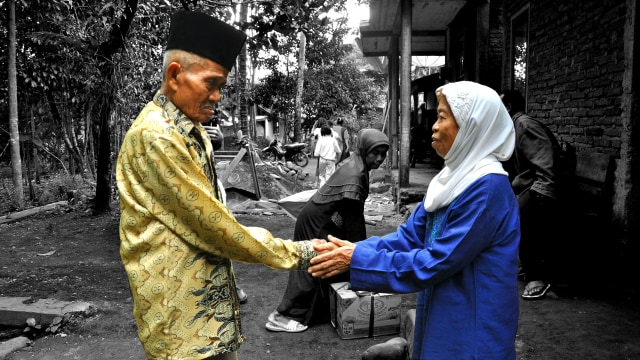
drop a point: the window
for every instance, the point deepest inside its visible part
(519, 50)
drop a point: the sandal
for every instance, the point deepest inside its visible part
(242, 296)
(535, 290)
(292, 326)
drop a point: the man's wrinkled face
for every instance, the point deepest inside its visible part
(376, 156)
(198, 88)
(445, 129)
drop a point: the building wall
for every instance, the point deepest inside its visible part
(477, 34)
(496, 44)
(580, 84)
(575, 69)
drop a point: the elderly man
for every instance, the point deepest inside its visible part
(178, 239)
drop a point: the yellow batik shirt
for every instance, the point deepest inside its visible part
(178, 239)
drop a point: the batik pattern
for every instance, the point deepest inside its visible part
(178, 239)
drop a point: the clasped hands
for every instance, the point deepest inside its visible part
(334, 257)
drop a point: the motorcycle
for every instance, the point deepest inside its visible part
(288, 152)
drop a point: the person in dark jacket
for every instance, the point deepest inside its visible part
(533, 171)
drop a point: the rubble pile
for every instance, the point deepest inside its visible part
(275, 180)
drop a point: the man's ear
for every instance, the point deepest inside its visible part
(173, 70)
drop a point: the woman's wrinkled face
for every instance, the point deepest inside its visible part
(198, 88)
(445, 129)
(375, 157)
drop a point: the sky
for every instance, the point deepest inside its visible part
(358, 13)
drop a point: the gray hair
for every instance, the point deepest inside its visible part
(184, 58)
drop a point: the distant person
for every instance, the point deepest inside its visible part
(315, 134)
(342, 135)
(418, 144)
(534, 178)
(177, 238)
(459, 247)
(331, 126)
(336, 208)
(327, 150)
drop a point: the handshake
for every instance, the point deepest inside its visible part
(334, 257)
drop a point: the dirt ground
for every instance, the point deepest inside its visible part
(74, 256)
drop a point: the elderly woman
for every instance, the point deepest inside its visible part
(339, 201)
(459, 248)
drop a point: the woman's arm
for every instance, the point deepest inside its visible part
(455, 238)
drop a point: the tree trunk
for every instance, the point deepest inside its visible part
(105, 53)
(75, 157)
(242, 79)
(36, 165)
(297, 125)
(103, 170)
(16, 162)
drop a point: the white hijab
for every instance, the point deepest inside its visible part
(485, 137)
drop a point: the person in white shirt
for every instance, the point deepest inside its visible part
(327, 150)
(342, 135)
(315, 135)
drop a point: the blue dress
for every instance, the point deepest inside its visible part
(463, 261)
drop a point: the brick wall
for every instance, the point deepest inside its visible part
(575, 69)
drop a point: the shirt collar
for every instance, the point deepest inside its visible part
(172, 113)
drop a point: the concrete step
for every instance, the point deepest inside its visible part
(14, 311)
(409, 329)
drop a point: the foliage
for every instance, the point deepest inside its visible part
(65, 46)
(275, 23)
(56, 187)
(276, 92)
(334, 82)
(332, 90)
(59, 71)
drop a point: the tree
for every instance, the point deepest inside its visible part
(68, 59)
(300, 86)
(242, 78)
(16, 162)
(276, 29)
(84, 69)
(105, 55)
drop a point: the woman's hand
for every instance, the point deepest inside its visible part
(334, 258)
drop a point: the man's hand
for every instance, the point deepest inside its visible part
(216, 136)
(323, 246)
(318, 242)
(334, 258)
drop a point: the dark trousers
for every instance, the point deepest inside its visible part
(540, 240)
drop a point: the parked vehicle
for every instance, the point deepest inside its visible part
(288, 152)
